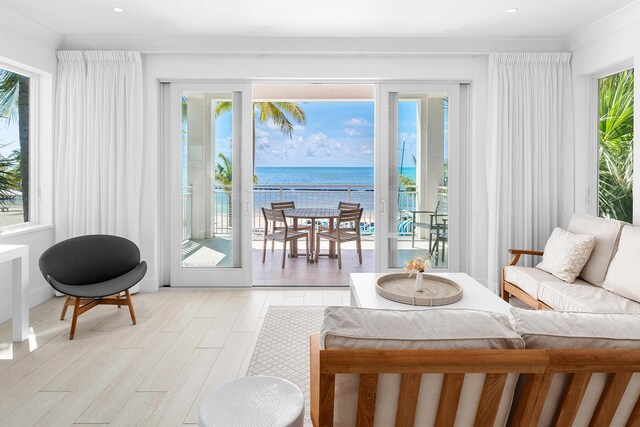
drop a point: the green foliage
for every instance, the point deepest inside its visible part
(10, 177)
(283, 114)
(14, 105)
(406, 182)
(615, 159)
(224, 171)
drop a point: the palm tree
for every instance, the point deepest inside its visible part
(14, 103)
(615, 161)
(278, 112)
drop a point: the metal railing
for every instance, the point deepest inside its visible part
(303, 195)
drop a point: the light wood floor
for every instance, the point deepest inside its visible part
(186, 342)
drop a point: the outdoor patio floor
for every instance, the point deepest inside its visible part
(297, 272)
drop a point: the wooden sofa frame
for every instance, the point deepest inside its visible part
(539, 367)
(509, 288)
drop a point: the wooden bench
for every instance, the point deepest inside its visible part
(536, 369)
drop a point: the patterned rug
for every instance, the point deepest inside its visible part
(283, 346)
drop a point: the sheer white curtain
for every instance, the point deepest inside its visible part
(529, 128)
(99, 146)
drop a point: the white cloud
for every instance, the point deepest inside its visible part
(366, 150)
(351, 132)
(357, 121)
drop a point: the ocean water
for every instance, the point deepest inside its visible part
(319, 176)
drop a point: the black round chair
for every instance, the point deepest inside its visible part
(93, 270)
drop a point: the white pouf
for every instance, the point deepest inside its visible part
(253, 401)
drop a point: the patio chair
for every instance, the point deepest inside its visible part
(287, 205)
(282, 234)
(439, 229)
(441, 209)
(342, 233)
(348, 206)
(93, 270)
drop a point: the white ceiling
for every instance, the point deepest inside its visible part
(316, 18)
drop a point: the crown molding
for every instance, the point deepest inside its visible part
(30, 29)
(606, 26)
(315, 45)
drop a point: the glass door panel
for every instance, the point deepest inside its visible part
(415, 193)
(207, 181)
(212, 201)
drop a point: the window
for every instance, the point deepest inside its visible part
(615, 151)
(14, 148)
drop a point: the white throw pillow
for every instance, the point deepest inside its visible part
(623, 277)
(566, 253)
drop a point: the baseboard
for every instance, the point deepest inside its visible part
(36, 297)
(149, 285)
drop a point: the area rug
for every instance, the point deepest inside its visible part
(282, 349)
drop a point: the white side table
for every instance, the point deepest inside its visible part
(258, 401)
(19, 257)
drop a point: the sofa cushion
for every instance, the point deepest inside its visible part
(566, 253)
(581, 296)
(362, 328)
(545, 329)
(359, 328)
(607, 233)
(623, 277)
(528, 279)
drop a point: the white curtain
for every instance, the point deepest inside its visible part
(99, 146)
(529, 132)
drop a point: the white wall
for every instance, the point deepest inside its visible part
(600, 48)
(31, 48)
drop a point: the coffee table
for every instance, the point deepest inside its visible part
(475, 296)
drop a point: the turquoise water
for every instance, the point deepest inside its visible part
(318, 176)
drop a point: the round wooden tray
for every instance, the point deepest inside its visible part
(435, 290)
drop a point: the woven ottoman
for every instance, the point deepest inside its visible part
(258, 401)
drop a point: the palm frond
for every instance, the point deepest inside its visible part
(9, 87)
(615, 154)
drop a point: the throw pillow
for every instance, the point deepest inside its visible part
(566, 253)
(623, 277)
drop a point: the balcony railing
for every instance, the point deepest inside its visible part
(304, 196)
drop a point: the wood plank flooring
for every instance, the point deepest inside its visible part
(186, 342)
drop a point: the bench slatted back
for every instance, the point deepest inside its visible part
(536, 369)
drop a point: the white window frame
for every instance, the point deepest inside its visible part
(37, 218)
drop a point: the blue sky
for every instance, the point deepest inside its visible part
(9, 138)
(337, 134)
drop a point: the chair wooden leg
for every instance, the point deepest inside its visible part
(284, 252)
(118, 296)
(317, 248)
(264, 250)
(67, 300)
(74, 321)
(130, 304)
(339, 256)
(307, 246)
(359, 246)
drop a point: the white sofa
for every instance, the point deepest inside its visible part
(542, 290)
(558, 368)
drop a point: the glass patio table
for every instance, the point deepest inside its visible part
(313, 214)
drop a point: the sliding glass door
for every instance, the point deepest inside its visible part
(210, 160)
(416, 186)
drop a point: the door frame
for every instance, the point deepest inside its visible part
(242, 191)
(386, 132)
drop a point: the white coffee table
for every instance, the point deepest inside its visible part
(475, 296)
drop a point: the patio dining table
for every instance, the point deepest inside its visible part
(314, 214)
